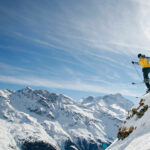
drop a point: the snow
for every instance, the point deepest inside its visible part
(140, 137)
(141, 142)
(6, 93)
(7, 141)
(54, 118)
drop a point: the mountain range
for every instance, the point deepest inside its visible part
(40, 120)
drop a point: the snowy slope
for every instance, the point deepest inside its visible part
(115, 105)
(29, 116)
(135, 132)
(17, 126)
(108, 108)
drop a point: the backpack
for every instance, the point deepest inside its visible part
(148, 60)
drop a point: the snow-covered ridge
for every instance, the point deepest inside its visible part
(56, 121)
(113, 104)
(134, 134)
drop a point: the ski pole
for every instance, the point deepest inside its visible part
(147, 81)
(137, 71)
(134, 83)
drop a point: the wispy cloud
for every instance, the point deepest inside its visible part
(37, 41)
(94, 46)
(11, 68)
(92, 31)
(69, 85)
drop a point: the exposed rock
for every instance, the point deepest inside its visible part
(37, 145)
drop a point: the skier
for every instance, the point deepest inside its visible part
(145, 63)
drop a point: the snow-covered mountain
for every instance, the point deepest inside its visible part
(134, 134)
(40, 120)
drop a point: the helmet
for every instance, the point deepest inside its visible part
(139, 55)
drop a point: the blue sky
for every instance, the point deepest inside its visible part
(77, 48)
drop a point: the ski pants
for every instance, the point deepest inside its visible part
(146, 71)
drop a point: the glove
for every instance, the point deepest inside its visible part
(132, 62)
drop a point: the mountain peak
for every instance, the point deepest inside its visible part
(26, 90)
(113, 95)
